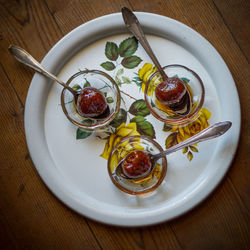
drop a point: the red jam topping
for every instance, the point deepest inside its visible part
(91, 102)
(136, 164)
(170, 91)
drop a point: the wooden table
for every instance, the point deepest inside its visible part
(31, 217)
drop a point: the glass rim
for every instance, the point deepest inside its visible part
(104, 121)
(163, 172)
(183, 119)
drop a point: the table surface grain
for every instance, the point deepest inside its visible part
(31, 217)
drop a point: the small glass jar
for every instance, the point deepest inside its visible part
(96, 79)
(144, 185)
(194, 86)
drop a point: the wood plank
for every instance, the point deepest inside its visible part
(237, 24)
(31, 213)
(71, 14)
(29, 25)
(154, 237)
(221, 222)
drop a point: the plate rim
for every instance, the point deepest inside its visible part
(31, 130)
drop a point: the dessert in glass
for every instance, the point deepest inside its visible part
(161, 98)
(137, 186)
(98, 102)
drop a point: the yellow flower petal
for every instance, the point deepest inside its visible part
(105, 154)
(206, 112)
(116, 141)
(133, 133)
(111, 140)
(121, 126)
(185, 137)
(203, 121)
(143, 86)
(124, 132)
(147, 75)
(108, 147)
(146, 67)
(132, 125)
(174, 128)
(181, 130)
(179, 139)
(186, 129)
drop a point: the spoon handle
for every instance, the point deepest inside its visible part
(134, 27)
(24, 57)
(210, 132)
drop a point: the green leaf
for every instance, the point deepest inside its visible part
(86, 84)
(138, 119)
(105, 94)
(108, 66)
(128, 47)
(76, 87)
(184, 79)
(111, 51)
(166, 128)
(171, 140)
(109, 99)
(137, 80)
(119, 119)
(152, 104)
(120, 72)
(190, 156)
(118, 81)
(194, 149)
(146, 128)
(126, 80)
(139, 108)
(82, 134)
(184, 150)
(138, 83)
(87, 122)
(131, 62)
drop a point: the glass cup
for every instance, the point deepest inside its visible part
(194, 86)
(96, 79)
(141, 186)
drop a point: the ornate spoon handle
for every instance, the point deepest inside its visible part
(24, 57)
(134, 27)
(211, 132)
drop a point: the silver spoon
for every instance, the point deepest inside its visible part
(135, 28)
(208, 133)
(24, 57)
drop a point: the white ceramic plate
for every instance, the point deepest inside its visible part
(73, 169)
